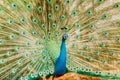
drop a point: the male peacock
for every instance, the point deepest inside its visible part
(30, 38)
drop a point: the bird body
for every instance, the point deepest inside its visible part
(60, 65)
(31, 33)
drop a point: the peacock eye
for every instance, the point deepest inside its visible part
(9, 53)
(54, 25)
(90, 70)
(97, 72)
(14, 5)
(97, 52)
(91, 39)
(100, 1)
(56, 7)
(34, 51)
(26, 55)
(43, 26)
(10, 22)
(40, 73)
(2, 61)
(40, 9)
(35, 21)
(29, 7)
(49, 16)
(67, 1)
(117, 39)
(28, 44)
(49, 1)
(74, 13)
(12, 36)
(104, 16)
(17, 48)
(0, 9)
(32, 75)
(82, 69)
(115, 74)
(19, 62)
(105, 33)
(111, 53)
(89, 12)
(102, 44)
(108, 73)
(91, 26)
(23, 33)
(38, 43)
(1, 41)
(34, 33)
(116, 5)
(14, 70)
(63, 17)
(118, 63)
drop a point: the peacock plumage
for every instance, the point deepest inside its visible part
(32, 44)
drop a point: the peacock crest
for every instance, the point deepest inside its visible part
(31, 35)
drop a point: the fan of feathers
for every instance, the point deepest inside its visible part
(30, 37)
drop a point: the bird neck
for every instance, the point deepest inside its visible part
(63, 50)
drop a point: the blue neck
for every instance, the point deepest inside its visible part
(63, 51)
(60, 65)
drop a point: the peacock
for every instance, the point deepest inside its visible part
(41, 38)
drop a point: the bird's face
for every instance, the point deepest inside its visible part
(65, 36)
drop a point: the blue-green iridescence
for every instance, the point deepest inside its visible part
(43, 26)
(22, 20)
(40, 9)
(89, 12)
(54, 25)
(14, 6)
(104, 16)
(49, 1)
(28, 44)
(91, 26)
(105, 33)
(35, 21)
(1, 10)
(116, 5)
(10, 22)
(117, 39)
(91, 39)
(1, 41)
(23, 33)
(38, 43)
(102, 44)
(56, 7)
(77, 25)
(17, 48)
(12, 36)
(49, 16)
(100, 1)
(63, 17)
(29, 7)
(74, 13)
(9, 53)
(97, 52)
(111, 53)
(34, 33)
(68, 1)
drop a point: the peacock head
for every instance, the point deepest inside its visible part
(65, 36)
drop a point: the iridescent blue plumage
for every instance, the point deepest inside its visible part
(60, 65)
